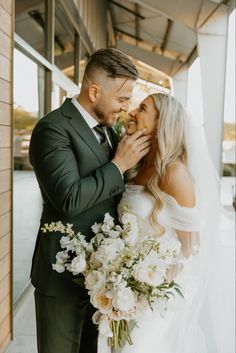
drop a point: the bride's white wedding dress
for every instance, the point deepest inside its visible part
(177, 331)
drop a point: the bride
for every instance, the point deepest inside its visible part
(173, 193)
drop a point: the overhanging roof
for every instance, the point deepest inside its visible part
(161, 33)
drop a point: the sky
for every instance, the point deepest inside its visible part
(25, 82)
(26, 86)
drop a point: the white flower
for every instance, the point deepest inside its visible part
(94, 280)
(95, 260)
(78, 264)
(108, 223)
(109, 220)
(96, 227)
(132, 236)
(81, 239)
(115, 278)
(62, 257)
(58, 267)
(106, 228)
(131, 230)
(109, 249)
(123, 299)
(114, 234)
(104, 326)
(129, 218)
(103, 322)
(101, 301)
(66, 242)
(149, 272)
(118, 228)
(123, 130)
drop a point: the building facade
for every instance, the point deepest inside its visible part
(6, 99)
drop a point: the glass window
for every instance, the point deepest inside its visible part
(58, 95)
(84, 56)
(30, 23)
(64, 43)
(28, 90)
(229, 137)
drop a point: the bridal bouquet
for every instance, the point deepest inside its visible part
(124, 273)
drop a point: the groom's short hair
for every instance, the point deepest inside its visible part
(111, 61)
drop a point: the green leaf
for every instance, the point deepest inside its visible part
(179, 292)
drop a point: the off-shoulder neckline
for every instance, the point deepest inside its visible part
(168, 196)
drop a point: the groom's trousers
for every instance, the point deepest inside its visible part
(64, 325)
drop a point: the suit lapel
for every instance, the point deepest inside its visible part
(82, 128)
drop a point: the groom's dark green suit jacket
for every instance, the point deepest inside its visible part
(78, 185)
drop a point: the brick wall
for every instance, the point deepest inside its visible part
(6, 63)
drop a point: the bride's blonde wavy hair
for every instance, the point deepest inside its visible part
(171, 147)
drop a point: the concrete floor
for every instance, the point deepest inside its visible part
(24, 327)
(26, 215)
(222, 287)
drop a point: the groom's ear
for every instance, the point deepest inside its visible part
(94, 92)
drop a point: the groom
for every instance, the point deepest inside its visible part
(79, 168)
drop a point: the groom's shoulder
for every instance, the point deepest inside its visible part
(56, 116)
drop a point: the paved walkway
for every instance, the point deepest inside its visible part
(24, 327)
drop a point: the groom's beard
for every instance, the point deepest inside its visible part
(103, 117)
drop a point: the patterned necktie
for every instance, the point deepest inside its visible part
(100, 130)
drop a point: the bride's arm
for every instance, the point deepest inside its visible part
(179, 185)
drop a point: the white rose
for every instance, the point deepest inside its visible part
(101, 301)
(149, 272)
(110, 248)
(123, 299)
(94, 280)
(78, 264)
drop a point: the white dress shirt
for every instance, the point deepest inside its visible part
(89, 119)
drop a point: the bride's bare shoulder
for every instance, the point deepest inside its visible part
(179, 184)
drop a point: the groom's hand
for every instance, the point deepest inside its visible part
(131, 149)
